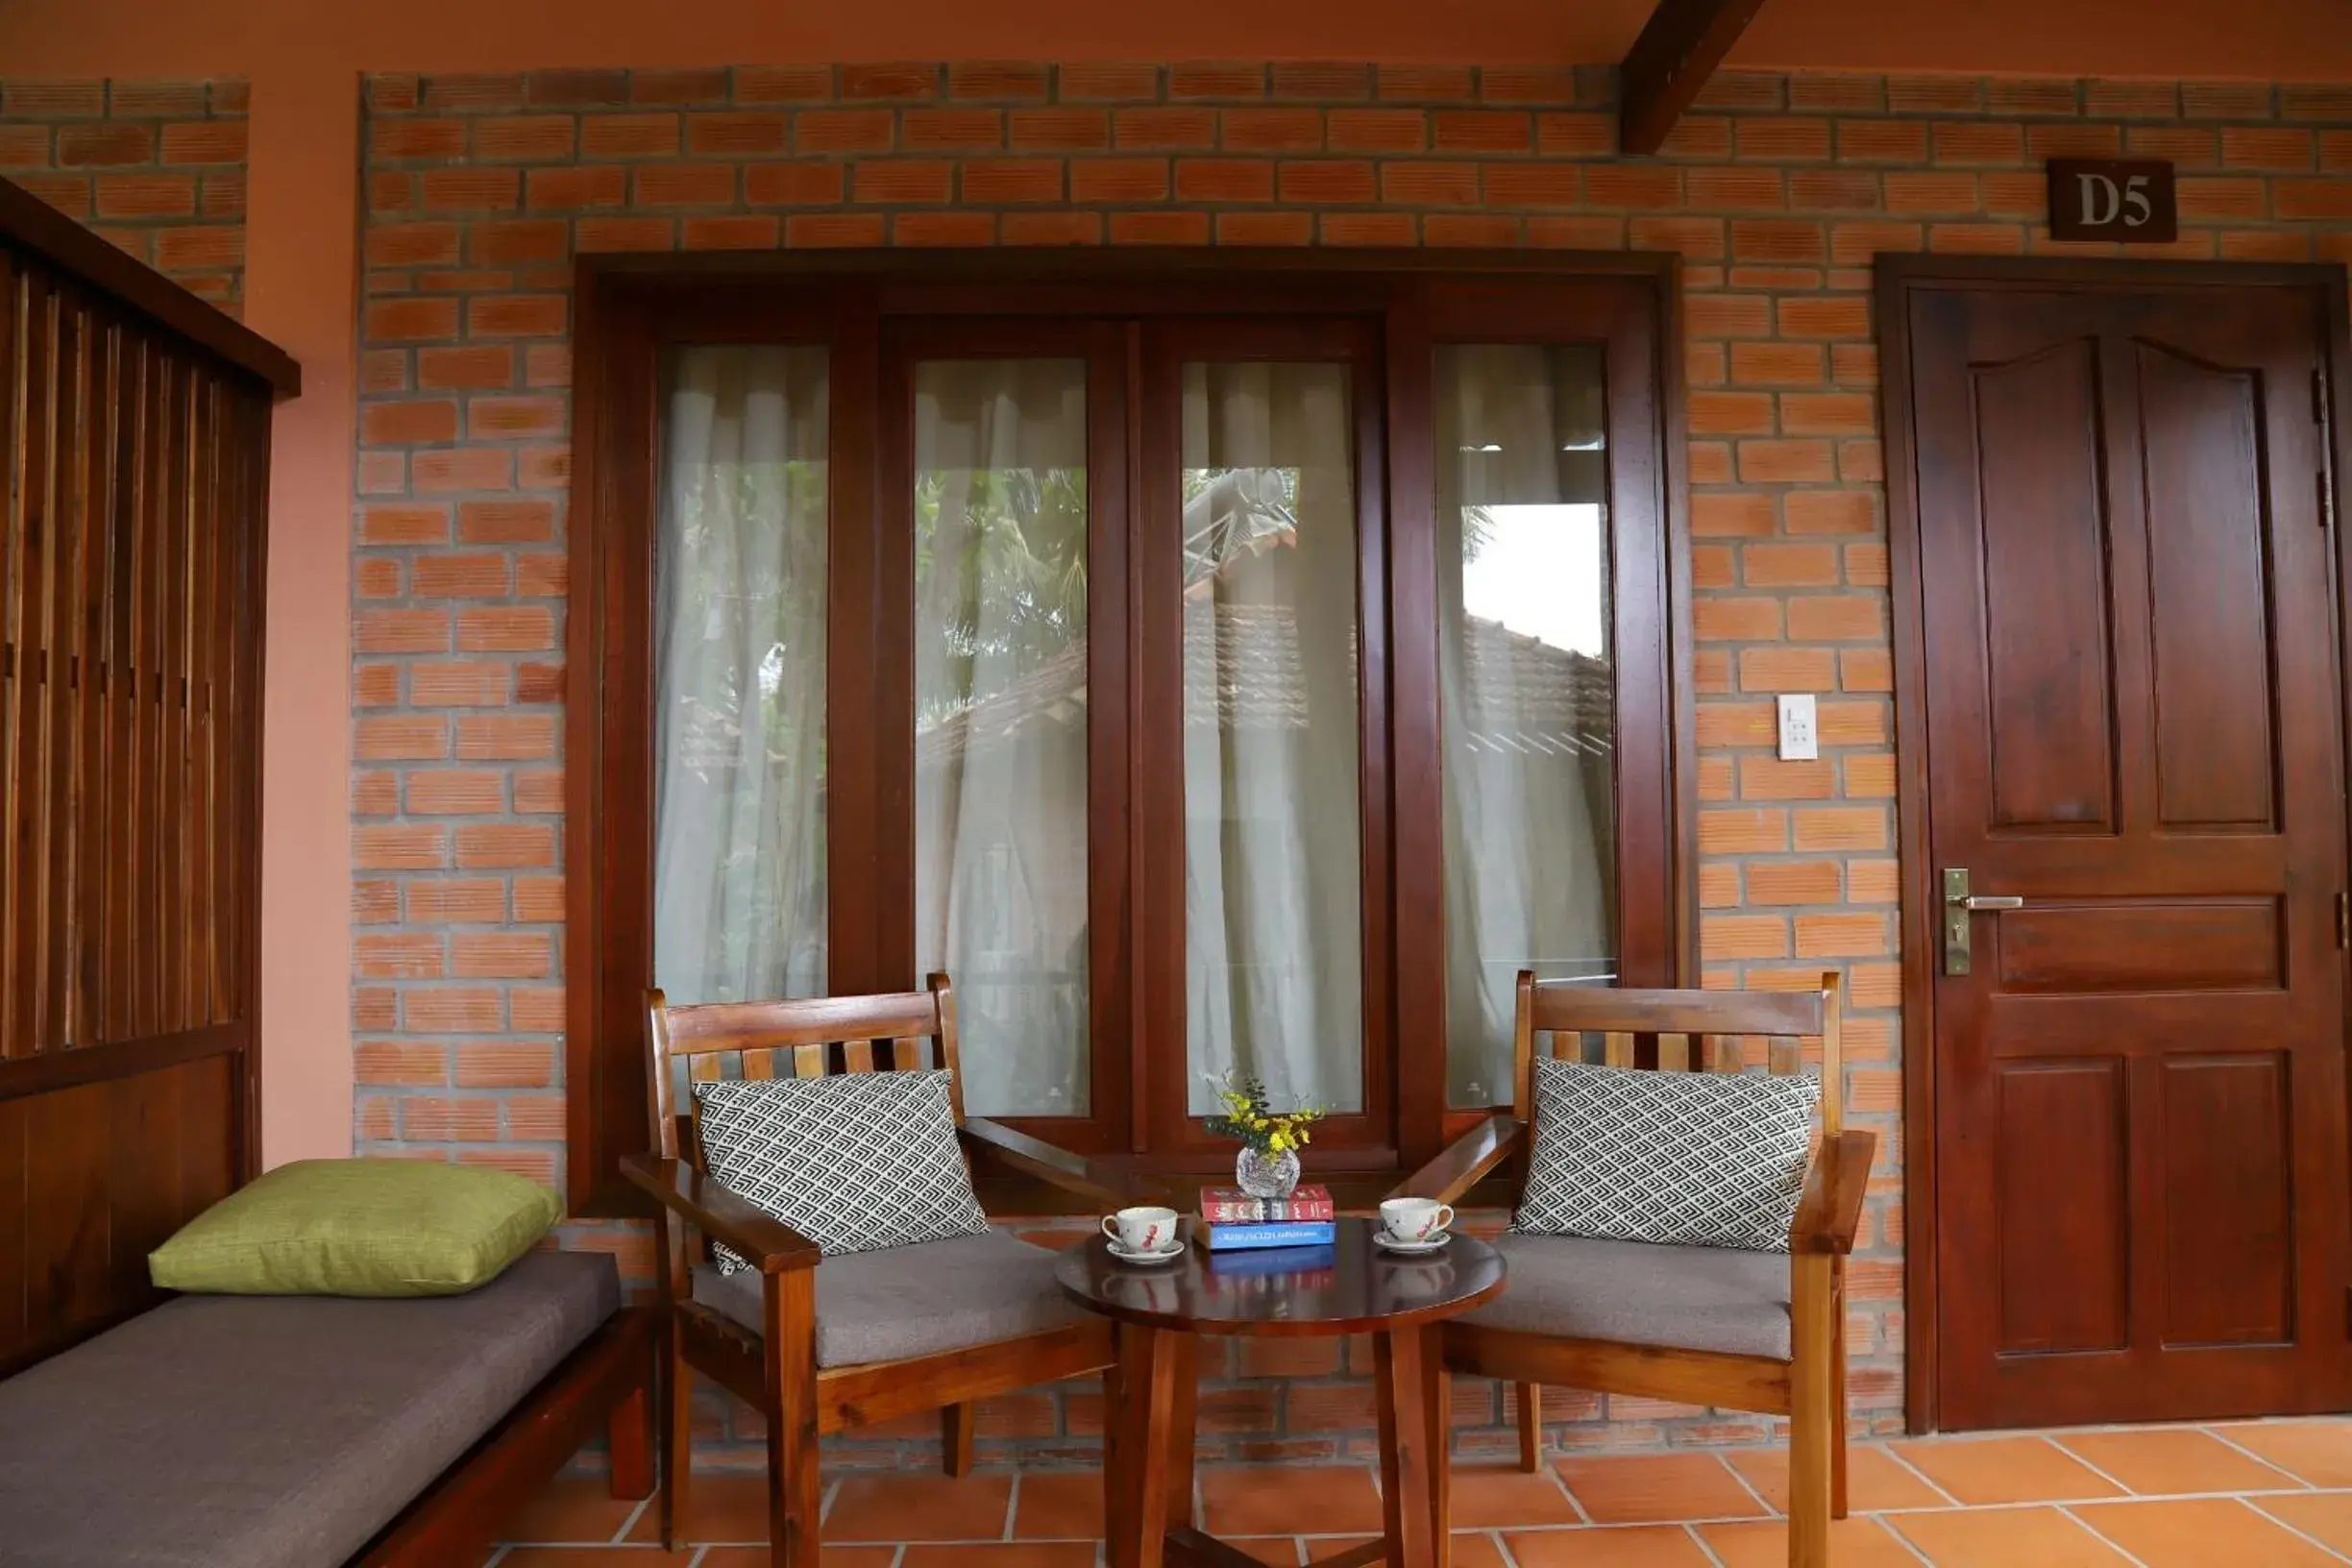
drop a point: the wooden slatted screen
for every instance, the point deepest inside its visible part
(129, 581)
(134, 467)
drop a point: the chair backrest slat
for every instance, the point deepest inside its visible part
(1680, 1031)
(809, 1021)
(764, 1039)
(948, 1057)
(1574, 1005)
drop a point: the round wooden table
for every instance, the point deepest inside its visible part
(1353, 1287)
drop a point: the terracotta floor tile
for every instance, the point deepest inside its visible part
(570, 1509)
(919, 1507)
(1763, 1543)
(2158, 1461)
(1685, 1509)
(1059, 1505)
(1003, 1555)
(1643, 1488)
(721, 1506)
(1271, 1500)
(2005, 1538)
(1996, 1470)
(1470, 1549)
(595, 1557)
(1875, 1480)
(2325, 1516)
(2320, 1451)
(1639, 1546)
(2199, 1531)
(1508, 1498)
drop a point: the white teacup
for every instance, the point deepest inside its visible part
(1413, 1220)
(1143, 1229)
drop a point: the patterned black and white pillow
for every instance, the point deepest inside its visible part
(1690, 1158)
(855, 1162)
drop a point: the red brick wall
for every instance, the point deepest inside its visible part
(158, 166)
(1777, 190)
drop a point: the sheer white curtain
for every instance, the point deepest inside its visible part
(1525, 679)
(1273, 913)
(739, 637)
(1000, 698)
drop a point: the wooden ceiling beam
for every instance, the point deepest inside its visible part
(1671, 61)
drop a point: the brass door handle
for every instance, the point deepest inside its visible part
(1958, 905)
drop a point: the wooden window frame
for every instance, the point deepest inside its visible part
(1389, 311)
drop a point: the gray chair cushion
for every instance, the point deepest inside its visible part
(1638, 1294)
(273, 1431)
(913, 1301)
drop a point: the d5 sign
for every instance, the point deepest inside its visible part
(2114, 199)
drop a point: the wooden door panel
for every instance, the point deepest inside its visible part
(2128, 945)
(2062, 1142)
(2208, 592)
(2048, 698)
(2130, 683)
(2227, 1157)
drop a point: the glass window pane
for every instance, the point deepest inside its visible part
(1273, 956)
(1526, 677)
(1000, 721)
(739, 675)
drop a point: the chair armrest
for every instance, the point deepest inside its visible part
(1455, 1171)
(1830, 1210)
(703, 1202)
(1103, 1184)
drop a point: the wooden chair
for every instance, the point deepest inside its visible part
(770, 1361)
(1686, 1031)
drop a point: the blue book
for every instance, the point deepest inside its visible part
(1272, 1234)
(1286, 1265)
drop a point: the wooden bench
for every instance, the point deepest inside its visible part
(305, 1431)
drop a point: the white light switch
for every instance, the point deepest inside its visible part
(1800, 735)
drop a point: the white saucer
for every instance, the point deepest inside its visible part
(1126, 1254)
(1412, 1249)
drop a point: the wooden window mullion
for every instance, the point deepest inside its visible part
(1111, 718)
(868, 869)
(1417, 726)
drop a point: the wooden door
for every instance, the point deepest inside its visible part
(2130, 699)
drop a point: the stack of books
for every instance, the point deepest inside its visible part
(1234, 1221)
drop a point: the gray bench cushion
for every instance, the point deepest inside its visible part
(273, 1431)
(1637, 1293)
(913, 1301)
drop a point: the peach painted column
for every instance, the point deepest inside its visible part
(302, 292)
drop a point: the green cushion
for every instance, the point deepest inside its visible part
(358, 1228)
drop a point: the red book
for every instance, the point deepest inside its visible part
(1231, 1206)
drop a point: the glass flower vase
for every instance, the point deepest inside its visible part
(1264, 1175)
